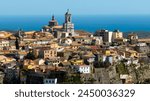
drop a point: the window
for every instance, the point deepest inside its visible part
(53, 81)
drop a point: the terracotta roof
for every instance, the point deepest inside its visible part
(82, 33)
(144, 40)
(31, 32)
(58, 27)
(75, 44)
(79, 36)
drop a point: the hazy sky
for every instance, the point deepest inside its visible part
(77, 7)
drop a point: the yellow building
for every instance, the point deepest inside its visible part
(131, 53)
(77, 62)
(106, 52)
(54, 45)
(110, 52)
(117, 34)
(49, 53)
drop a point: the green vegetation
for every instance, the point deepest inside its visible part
(30, 55)
(73, 79)
(121, 68)
(147, 81)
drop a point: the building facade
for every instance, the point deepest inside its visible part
(50, 53)
(4, 43)
(85, 69)
(105, 34)
(117, 35)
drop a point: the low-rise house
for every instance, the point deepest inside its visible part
(77, 62)
(12, 41)
(29, 64)
(142, 48)
(4, 43)
(49, 53)
(29, 34)
(42, 41)
(133, 38)
(22, 54)
(53, 61)
(89, 58)
(54, 45)
(82, 33)
(109, 52)
(97, 41)
(61, 34)
(131, 54)
(65, 54)
(79, 39)
(119, 41)
(75, 45)
(65, 64)
(132, 61)
(126, 79)
(88, 41)
(42, 35)
(109, 59)
(39, 61)
(106, 52)
(5, 60)
(45, 53)
(143, 58)
(85, 69)
(66, 41)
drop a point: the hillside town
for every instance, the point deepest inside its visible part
(59, 54)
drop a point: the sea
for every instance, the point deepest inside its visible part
(90, 23)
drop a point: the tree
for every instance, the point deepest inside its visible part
(17, 43)
(121, 68)
(73, 79)
(30, 55)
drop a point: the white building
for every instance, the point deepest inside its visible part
(85, 69)
(40, 42)
(66, 41)
(61, 34)
(97, 40)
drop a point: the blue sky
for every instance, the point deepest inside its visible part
(78, 7)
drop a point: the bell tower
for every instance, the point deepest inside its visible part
(68, 26)
(68, 17)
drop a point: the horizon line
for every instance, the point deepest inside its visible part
(80, 15)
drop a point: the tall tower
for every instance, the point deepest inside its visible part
(68, 25)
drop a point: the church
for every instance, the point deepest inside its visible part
(61, 31)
